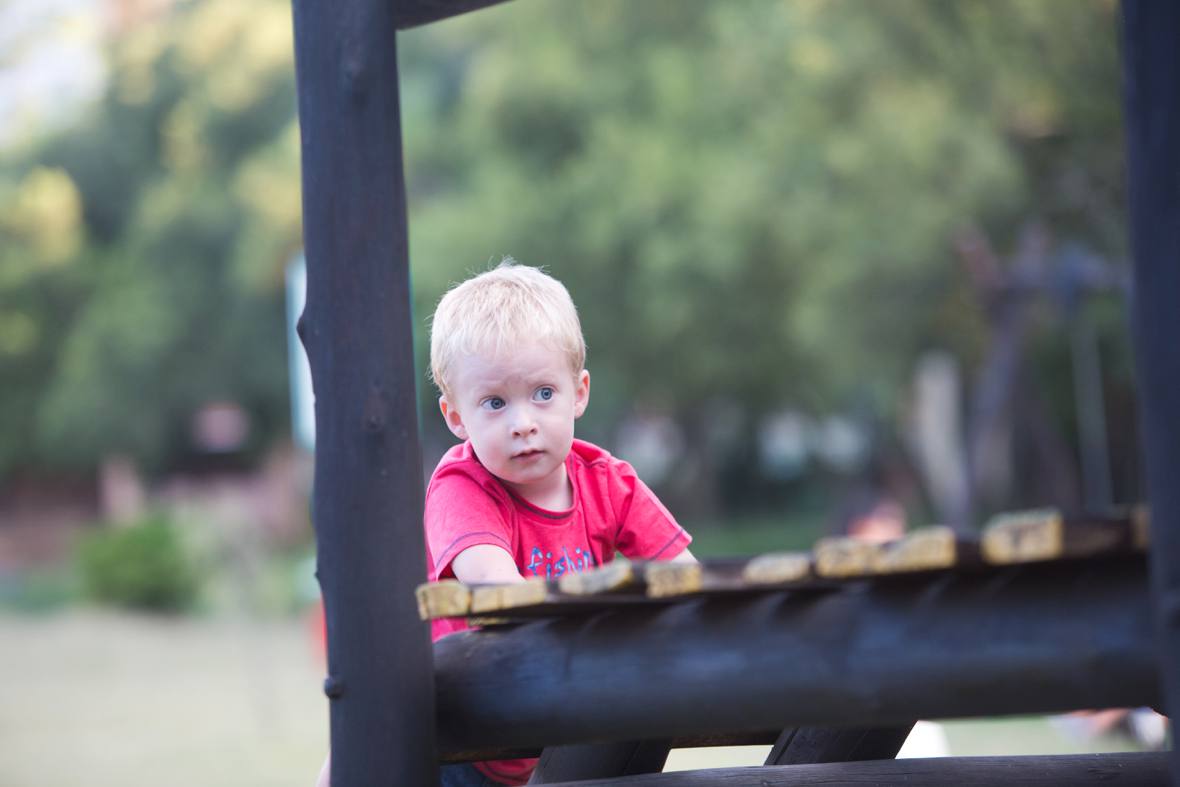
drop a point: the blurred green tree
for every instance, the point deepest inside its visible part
(753, 204)
(142, 250)
(756, 203)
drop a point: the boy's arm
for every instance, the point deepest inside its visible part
(485, 564)
(684, 557)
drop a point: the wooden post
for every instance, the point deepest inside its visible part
(357, 331)
(1151, 93)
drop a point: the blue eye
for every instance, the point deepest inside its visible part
(544, 394)
(493, 403)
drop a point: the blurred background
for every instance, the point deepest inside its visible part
(834, 260)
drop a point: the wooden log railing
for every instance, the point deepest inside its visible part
(1135, 769)
(1032, 638)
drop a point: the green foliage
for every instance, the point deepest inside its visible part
(746, 199)
(141, 252)
(752, 203)
(141, 566)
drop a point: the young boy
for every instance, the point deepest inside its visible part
(520, 496)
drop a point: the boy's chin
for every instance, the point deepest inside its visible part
(524, 478)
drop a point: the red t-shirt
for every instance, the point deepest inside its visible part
(613, 510)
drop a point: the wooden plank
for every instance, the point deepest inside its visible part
(619, 574)
(1151, 69)
(412, 13)
(779, 569)
(490, 599)
(357, 329)
(617, 584)
(1048, 534)
(841, 557)
(674, 579)
(927, 549)
(521, 609)
(1132, 769)
(1012, 538)
(535, 597)
(446, 599)
(939, 645)
(730, 575)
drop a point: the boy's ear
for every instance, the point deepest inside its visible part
(452, 417)
(581, 393)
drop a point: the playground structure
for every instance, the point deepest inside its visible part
(859, 662)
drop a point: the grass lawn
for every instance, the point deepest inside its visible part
(99, 699)
(105, 699)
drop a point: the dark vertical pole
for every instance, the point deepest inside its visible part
(1151, 58)
(357, 331)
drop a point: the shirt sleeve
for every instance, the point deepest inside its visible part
(647, 530)
(460, 513)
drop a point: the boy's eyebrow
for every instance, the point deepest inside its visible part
(494, 381)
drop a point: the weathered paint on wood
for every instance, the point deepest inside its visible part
(778, 568)
(926, 549)
(618, 574)
(449, 598)
(1048, 534)
(840, 557)
(1025, 537)
(357, 331)
(487, 599)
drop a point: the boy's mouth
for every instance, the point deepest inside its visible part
(525, 454)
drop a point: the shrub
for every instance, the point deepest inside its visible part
(144, 566)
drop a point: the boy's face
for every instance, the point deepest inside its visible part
(518, 411)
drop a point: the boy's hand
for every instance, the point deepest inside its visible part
(684, 557)
(485, 564)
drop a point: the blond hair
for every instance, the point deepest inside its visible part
(499, 309)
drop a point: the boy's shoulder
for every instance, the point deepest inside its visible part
(589, 461)
(460, 462)
(587, 453)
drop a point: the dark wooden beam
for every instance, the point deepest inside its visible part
(1151, 61)
(811, 745)
(357, 331)
(600, 760)
(412, 13)
(1130, 769)
(1027, 639)
(763, 738)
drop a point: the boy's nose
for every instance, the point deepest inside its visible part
(524, 426)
